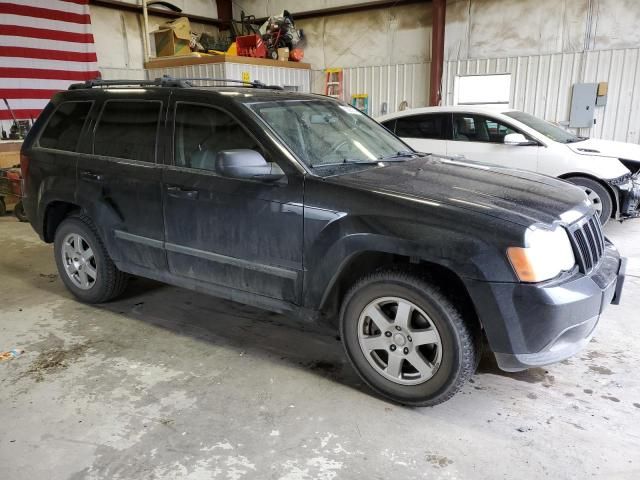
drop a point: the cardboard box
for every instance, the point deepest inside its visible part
(173, 38)
(283, 54)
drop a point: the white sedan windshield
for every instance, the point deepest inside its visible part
(547, 129)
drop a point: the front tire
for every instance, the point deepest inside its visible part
(598, 195)
(84, 264)
(406, 339)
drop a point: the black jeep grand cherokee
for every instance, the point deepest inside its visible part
(300, 203)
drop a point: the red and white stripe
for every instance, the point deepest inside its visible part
(44, 47)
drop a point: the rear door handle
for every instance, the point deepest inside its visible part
(178, 192)
(92, 177)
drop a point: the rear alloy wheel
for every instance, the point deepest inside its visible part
(406, 339)
(83, 262)
(598, 195)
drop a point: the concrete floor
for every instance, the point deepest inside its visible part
(166, 383)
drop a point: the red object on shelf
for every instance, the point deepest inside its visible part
(296, 55)
(251, 46)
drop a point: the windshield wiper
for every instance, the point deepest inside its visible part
(398, 156)
(576, 139)
(347, 161)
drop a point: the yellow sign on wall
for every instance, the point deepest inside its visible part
(246, 77)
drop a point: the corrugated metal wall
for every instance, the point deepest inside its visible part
(385, 84)
(283, 76)
(542, 85)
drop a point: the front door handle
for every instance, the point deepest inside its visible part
(178, 192)
(91, 177)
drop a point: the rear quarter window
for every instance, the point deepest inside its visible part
(128, 129)
(63, 129)
(433, 126)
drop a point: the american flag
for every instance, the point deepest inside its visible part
(44, 46)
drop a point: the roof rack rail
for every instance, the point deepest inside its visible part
(254, 84)
(165, 81)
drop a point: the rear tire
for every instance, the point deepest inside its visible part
(19, 212)
(598, 195)
(3, 207)
(419, 358)
(84, 264)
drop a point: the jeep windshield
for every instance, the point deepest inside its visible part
(327, 135)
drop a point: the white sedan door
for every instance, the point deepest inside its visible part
(481, 138)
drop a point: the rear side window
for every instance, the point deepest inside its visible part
(435, 126)
(128, 129)
(201, 132)
(63, 129)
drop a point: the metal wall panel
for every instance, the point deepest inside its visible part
(110, 73)
(283, 76)
(387, 85)
(542, 85)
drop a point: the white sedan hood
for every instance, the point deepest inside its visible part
(607, 148)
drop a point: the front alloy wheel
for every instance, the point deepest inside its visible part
(407, 339)
(399, 340)
(597, 195)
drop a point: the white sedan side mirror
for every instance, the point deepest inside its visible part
(517, 139)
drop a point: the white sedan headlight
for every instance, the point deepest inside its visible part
(547, 253)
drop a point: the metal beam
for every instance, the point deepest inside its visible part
(439, 8)
(225, 13)
(360, 7)
(160, 12)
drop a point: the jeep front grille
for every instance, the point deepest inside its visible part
(588, 243)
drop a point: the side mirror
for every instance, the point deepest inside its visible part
(247, 164)
(517, 139)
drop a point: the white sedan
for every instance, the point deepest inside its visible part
(608, 171)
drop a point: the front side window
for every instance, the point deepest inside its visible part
(63, 129)
(325, 133)
(201, 132)
(128, 129)
(478, 128)
(433, 126)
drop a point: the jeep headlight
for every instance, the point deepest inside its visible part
(546, 254)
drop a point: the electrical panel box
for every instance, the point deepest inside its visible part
(583, 103)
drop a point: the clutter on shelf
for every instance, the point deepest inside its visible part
(277, 39)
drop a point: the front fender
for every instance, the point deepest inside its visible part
(473, 247)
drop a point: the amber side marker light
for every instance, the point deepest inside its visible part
(522, 265)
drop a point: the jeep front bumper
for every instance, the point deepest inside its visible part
(530, 325)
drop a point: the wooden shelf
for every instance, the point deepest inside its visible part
(199, 58)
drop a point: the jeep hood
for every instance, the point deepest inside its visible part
(517, 196)
(606, 148)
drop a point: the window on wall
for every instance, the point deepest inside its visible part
(434, 126)
(63, 129)
(482, 90)
(478, 128)
(201, 132)
(128, 129)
